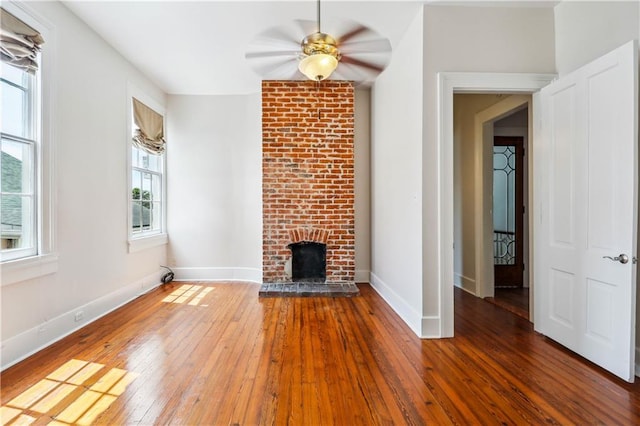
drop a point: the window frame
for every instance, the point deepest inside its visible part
(144, 240)
(45, 259)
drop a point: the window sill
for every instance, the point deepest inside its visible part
(144, 243)
(15, 271)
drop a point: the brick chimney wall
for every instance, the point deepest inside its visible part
(307, 173)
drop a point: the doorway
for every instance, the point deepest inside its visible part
(510, 211)
(448, 84)
(491, 133)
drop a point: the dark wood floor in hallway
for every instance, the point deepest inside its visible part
(216, 354)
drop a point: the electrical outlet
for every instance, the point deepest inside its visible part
(78, 316)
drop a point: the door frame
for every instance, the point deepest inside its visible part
(448, 84)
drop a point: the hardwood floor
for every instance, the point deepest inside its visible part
(515, 300)
(214, 353)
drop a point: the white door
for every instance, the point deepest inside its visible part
(585, 194)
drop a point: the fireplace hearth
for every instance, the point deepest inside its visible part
(308, 289)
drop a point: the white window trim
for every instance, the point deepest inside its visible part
(46, 261)
(147, 240)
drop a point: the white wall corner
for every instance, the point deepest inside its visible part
(363, 276)
(465, 283)
(409, 315)
(25, 344)
(218, 274)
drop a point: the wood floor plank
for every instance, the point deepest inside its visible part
(216, 354)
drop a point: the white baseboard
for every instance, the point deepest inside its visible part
(217, 274)
(25, 344)
(465, 283)
(409, 315)
(237, 274)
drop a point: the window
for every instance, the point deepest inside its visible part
(18, 163)
(27, 177)
(147, 181)
(146, 192)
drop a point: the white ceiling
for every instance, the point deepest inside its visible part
(198, 47)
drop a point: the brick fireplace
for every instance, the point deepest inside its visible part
(308, 175)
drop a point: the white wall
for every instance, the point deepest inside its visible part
(587, 30)
(468, 39)
(396, 201)
(215, 187)
(362, 183)
(88, 106)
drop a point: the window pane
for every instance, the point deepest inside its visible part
(17, 167)
(135, 157)
(143, 160)
(156, 215)
(13, 74)
(17, 221)
(14, 120)
(156, 188)
(136, 184)
(136, 215)
(146, 186)
(153, 162)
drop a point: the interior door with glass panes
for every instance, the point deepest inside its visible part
(508, 211)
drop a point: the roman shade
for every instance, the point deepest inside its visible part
(19, 43)
(149, 136)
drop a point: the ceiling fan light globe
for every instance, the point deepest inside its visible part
(318, 66)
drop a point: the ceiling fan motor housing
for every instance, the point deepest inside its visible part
(320, 43)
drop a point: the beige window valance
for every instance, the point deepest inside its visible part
(19, 43)
(149, 136)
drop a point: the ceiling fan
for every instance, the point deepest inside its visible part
(302, 50)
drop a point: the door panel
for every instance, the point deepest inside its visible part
(561, 293)
(563, 106)
(585, 164)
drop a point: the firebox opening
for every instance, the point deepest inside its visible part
(308, 262)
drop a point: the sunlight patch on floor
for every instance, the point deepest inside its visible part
(72, 394)
(191, 293)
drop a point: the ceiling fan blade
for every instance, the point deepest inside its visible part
(358, 30)
(306, 27)
(379, 45)
(285, 34)
(281, 70)
(285, 53)
(351, 73)
(360, 63)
